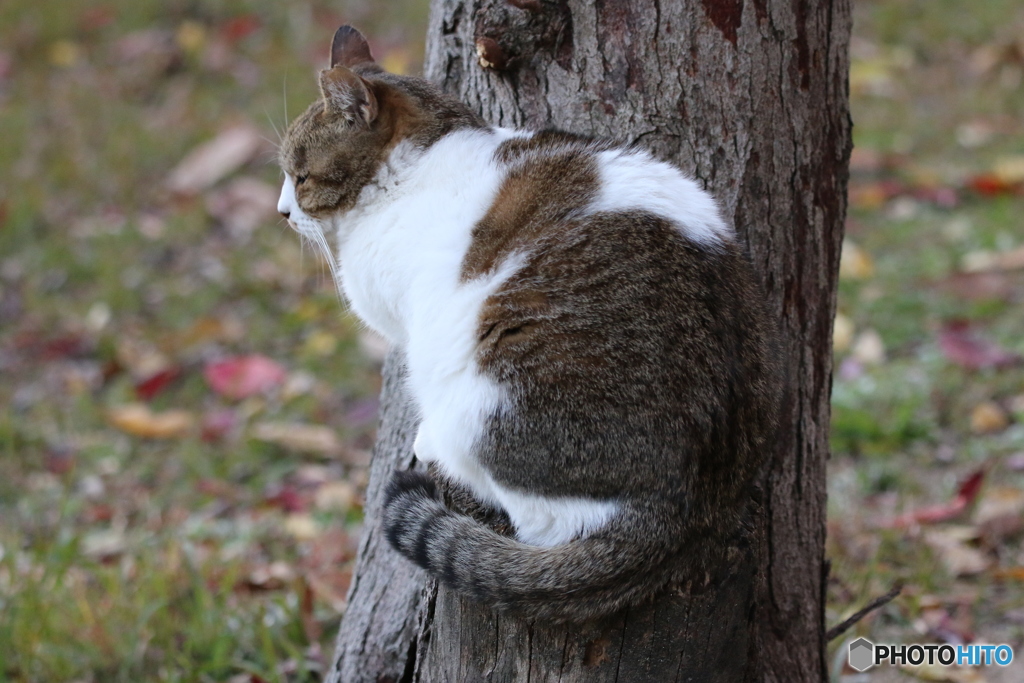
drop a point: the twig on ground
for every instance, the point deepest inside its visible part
(843, 627)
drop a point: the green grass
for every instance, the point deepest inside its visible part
(124, 558)
(902, 436)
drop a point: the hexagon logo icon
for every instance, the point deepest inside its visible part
(862, 654)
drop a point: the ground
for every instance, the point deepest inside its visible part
(186, 408)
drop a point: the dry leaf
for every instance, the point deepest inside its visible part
(988, 417)
(951, 545)
(987, 261)
(243, 205)
(244, 376)
(335, 495)
(103, 545)
(302, 526)
(214, 160)
(141, 359)
(966, 494)
(299, 437)
(273, 576)
(137, 419)
(966, 349)
(855, 263)
(842, 333)
(1009, 169)
(869, 348)
(1000, 513)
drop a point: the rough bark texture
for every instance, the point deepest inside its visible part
(749, 96)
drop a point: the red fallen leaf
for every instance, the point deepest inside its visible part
(930, 514)
(968, 350)
(98, 512)
(242, 26)
(60, 459)
(992, 185)
(55, 348)
(244, 376)
(148, 388)
(289, 499)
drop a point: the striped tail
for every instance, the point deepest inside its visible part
(627, 560)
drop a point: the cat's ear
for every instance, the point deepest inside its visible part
(345, 92)
(349, 48)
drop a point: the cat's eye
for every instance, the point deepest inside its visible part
(301, 179)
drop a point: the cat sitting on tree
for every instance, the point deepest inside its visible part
(587, 345)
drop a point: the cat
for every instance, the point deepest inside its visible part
(586, 343)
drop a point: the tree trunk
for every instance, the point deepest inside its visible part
(750, 97)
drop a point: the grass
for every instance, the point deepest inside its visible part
(217, 555)
(125, 558)
(905, 431)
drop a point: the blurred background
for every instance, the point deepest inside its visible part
(186, 409)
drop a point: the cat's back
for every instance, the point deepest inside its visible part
(634, 324)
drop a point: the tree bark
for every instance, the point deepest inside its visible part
(750, 97)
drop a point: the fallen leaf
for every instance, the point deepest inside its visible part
(959, 558)
(338, 496)
(1015, 573)
(855, 263)
(968, 350)
(1000, 513)
(243, 205)
(103, 545)
(288, 498)
(140, 358)
(988, 417)
(60, 459)
(302, 526)
(842, 333)
(215, 159)
(244, 376)
(992, 185)
(273, 576)
(137, 419)
(987, 261)
(965, 495)
(869, 348)
(1009, 169)
(299, 437)
(150, 387)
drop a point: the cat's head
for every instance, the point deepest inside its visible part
(338, 145)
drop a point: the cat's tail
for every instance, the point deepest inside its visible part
(620, 564)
